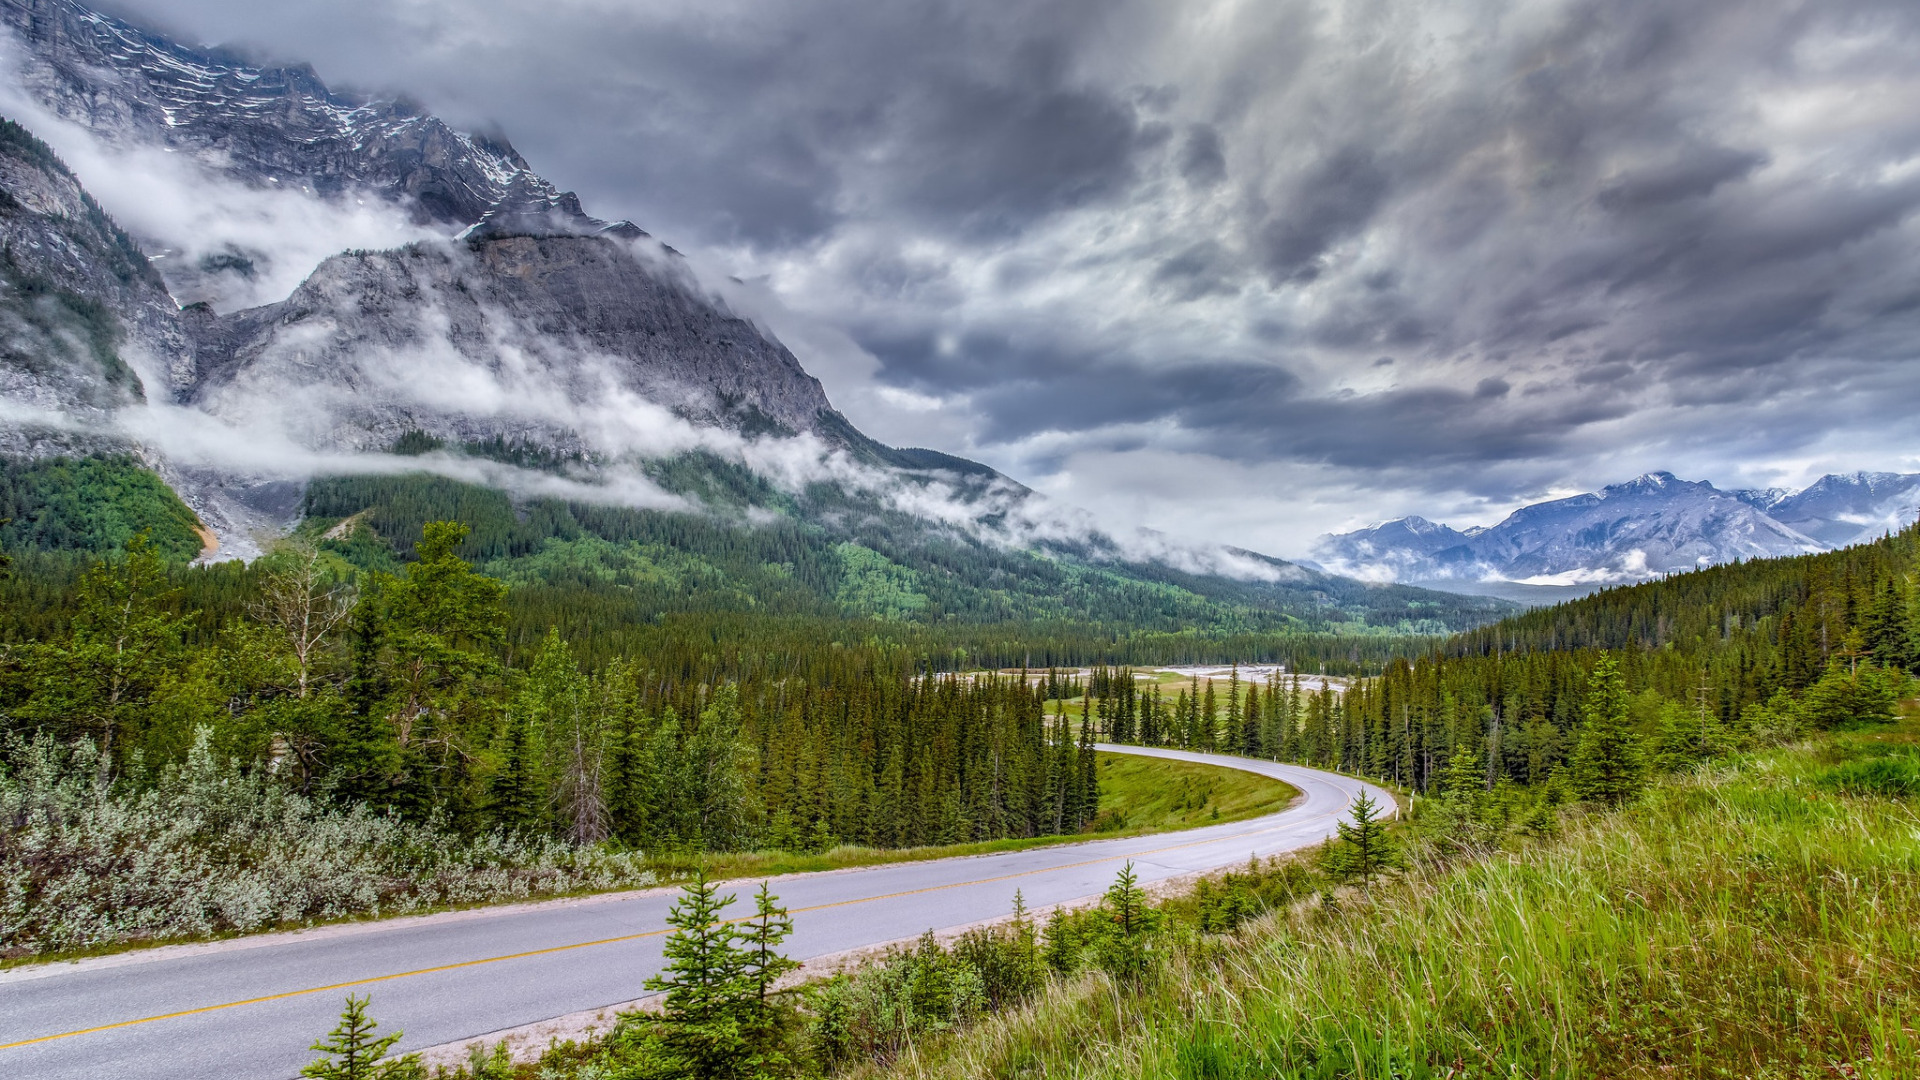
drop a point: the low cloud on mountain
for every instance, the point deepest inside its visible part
(1351, 260)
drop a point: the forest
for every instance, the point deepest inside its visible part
(398, 691)
(1586, 698)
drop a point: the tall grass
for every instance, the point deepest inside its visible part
(1743, 922)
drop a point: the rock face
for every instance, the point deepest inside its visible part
(1655, 524)
(263, 125)
(77, 299)
(524, 338)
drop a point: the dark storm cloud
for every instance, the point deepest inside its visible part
(1332, 202)
(1203, 157)
(1591, 234)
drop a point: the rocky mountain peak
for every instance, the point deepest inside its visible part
(1653, 524)
(263, 125)
(77, 300)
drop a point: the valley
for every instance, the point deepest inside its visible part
(449, 635)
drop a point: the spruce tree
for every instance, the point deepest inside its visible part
(364, 759)
(1607, 763)
(1364, 851)
(705, 980)
(1088, 805)
(355, 1053)
(100, 681)
(1461, 784)
(519, 796)
(1125, 949)
(766, 1021)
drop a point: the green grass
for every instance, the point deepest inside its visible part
(1143, 795)
(1138, 796)
(1749, 921)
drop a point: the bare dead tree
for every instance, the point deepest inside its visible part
(580, 793)
(302, 601)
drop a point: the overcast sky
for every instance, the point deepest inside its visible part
(1247, 271)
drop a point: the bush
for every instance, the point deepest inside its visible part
(876, 1011)
(209, 848)
(1841, 698)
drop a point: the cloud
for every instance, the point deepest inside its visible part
(213, 239)
(1595, 237)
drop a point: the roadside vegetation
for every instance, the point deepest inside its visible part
(1662, 831)
(208, 848)
(1745, 917)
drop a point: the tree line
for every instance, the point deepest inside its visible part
(401, 690)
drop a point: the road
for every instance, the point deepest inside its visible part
(249, 1009)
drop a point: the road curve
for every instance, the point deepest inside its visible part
(248, 1010)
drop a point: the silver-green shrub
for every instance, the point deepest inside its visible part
(210, 848)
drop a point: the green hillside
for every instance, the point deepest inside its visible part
(830, 555)
(92, 505)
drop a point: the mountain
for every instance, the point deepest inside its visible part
(1655, 524)
(266, 125)
(604, 416)
(1840, 511)
(1393, 550)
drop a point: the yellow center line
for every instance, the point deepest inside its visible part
(603, 941)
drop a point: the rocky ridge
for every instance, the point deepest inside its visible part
(526, 322)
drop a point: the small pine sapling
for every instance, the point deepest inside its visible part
(355, 1053)
(1364, 851)
(1125, 950)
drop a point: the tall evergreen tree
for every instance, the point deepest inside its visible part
(1607, 765)
(101, 681)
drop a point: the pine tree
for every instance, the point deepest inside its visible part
(1088, 805)
(766, 1022)
(100, 682)
(1607, 763)
(519, 796)
(1125, 947)
(704, 980)
(1364, 851)
(355, 1053)
(1251, 742)
(364, 759)
(1461, 784)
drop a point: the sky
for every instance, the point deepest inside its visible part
(1246, 272)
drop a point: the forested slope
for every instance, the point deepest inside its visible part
(1585, 697)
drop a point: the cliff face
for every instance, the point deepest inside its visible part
(278, 126)
(77, 301)
(521, 337)
(527, 293)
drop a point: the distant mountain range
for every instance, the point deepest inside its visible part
(1653, 525)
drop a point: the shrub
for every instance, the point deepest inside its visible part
(209, 848)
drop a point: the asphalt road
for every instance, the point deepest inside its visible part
(249, 1010)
